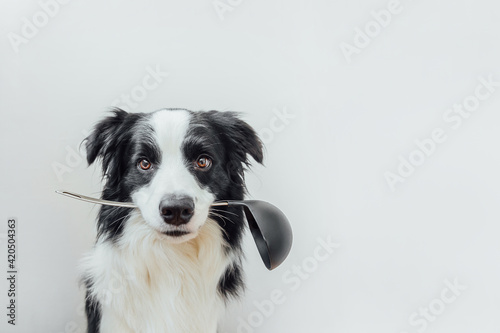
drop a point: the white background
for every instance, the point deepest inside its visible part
(325, 168)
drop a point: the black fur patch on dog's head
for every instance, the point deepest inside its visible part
(231, 141)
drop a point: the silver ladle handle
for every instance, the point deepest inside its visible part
(114, 203)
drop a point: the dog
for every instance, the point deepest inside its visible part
(172, 264)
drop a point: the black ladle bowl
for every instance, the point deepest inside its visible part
(269, 226)
(270, 229)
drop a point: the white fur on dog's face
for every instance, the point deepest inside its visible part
(172, 178)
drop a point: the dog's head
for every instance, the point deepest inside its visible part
(173, 164)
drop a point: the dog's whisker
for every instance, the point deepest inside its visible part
(217, 215)
(121, 219)
(223, 211)
(221, 217)
(223, 230)
(224, 217)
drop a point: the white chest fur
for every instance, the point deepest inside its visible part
(145, 284)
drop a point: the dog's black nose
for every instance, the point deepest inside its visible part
(177, 211)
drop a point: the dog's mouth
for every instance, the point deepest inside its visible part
(176, 233)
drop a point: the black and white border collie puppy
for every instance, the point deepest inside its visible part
(171, 264)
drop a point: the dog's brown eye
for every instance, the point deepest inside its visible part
(144, 164)
(204, 162)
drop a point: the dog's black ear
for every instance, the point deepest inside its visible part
(104, 140)
(104, 135)
(242, 138)
(240, 141)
